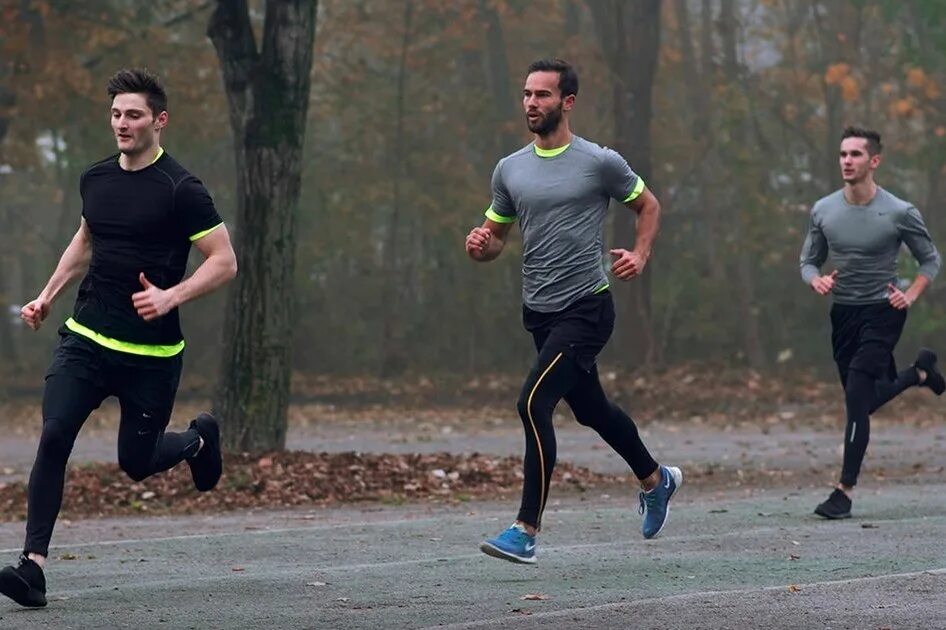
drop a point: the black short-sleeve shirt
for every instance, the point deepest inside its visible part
(140, 221)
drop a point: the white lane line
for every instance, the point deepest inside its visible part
(439, 520)
(508, 621)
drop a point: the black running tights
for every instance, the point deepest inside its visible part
(863, 395)
(144, 448)
(556, 376)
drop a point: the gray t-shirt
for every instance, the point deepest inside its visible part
(863, 242)
(560, 198)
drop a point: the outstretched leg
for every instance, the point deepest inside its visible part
(552, 377)
(593, 409)
(924, 372)
(67, 403)
(146, 395)
(886, 390)
(658, 483)
(858, 398)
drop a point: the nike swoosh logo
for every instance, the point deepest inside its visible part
(146, 416)
(144, 432)
(667, 485)
(530, 547)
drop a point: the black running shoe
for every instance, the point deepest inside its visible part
(926, 361)
(25, 583)
(207, 464)
(837, 506)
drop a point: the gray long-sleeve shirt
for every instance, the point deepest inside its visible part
(863, 242)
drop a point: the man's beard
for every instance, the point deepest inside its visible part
(547, 123)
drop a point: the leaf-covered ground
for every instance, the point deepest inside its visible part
(293, 479)
(685, 401)
(302, 479)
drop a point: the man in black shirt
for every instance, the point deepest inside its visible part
(141, 211)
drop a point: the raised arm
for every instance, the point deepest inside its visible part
(486, 242)
(72, 264)
(917, 239)
(814, 252)
(219, 267)
(630, 263)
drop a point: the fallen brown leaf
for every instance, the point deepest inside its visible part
(295, 478)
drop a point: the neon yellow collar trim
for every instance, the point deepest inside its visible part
(547, 153)
(156, 158)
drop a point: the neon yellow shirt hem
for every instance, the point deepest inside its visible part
(127, 347)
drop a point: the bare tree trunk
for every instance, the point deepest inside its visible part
(7, 346)
(630, 35)
(498, 78)
(745, 293)
(33, 59)
(393, 354)
(839, 25)
(697, 77)
(7, 103)
(933, 205)
(268, 94)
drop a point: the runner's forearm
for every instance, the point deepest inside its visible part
(648, 223)
(917, 288)
(493, 249)
(73, 263)
(216, 270)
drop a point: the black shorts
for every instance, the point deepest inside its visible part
(863, 337)
(580, 331)
(146, 383)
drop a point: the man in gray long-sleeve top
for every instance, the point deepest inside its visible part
(863, 227)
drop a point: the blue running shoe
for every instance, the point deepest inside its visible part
(655, 503)
(514, 545)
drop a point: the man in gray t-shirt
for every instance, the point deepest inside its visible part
(560, 199)
(558, 188)
(862, 227)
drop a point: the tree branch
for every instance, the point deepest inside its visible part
(283, 88)
(136, 37)
(231, 32)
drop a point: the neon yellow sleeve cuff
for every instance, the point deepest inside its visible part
(498, 218)
(638, 189)
(201, 235)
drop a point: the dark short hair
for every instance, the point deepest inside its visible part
(139, 81)
(874, 147)
(567, 77)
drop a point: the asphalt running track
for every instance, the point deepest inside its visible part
(752, 559)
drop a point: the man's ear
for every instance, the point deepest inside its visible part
(568, 102)
(161, 120)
